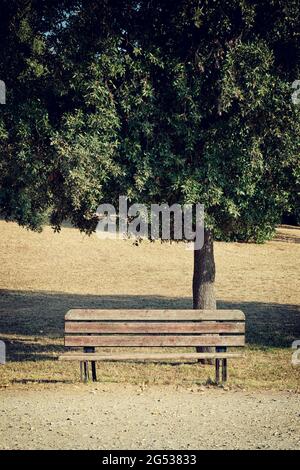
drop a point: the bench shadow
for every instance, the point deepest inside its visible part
(32, 323)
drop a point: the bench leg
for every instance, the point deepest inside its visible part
(94, 373)
(93, 363)
(224, 370)
(81, 371)
(217, 371)
(85, 371)
(221, 349)
(89, 349)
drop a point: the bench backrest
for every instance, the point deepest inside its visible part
(92, 328)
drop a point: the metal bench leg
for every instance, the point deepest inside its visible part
(86, 364)
(86, 371)
(221, 349)
(224, 370)
(81, 371)
(217, 371)
(90, 349)
(94, 373)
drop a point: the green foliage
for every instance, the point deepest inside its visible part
(85, 145)
(186, 101)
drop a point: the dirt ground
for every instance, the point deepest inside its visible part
(129, 417)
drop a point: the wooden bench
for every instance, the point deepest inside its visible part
(89, 329)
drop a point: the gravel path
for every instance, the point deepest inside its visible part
(109, 416)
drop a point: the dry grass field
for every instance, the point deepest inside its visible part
(44, 275)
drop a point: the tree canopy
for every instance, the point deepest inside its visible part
(186, 101)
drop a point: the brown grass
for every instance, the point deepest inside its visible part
(43, 275)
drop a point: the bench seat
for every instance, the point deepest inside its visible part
(69, 356)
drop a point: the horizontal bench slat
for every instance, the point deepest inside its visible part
(159, 341)
(152, 315)
(138, 356)
(154, 327)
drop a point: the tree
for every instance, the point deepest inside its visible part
(186, 102)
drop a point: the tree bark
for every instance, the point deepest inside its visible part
(204, 280)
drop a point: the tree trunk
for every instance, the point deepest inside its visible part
(203, 281)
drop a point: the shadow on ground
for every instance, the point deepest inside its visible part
(38, 317)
